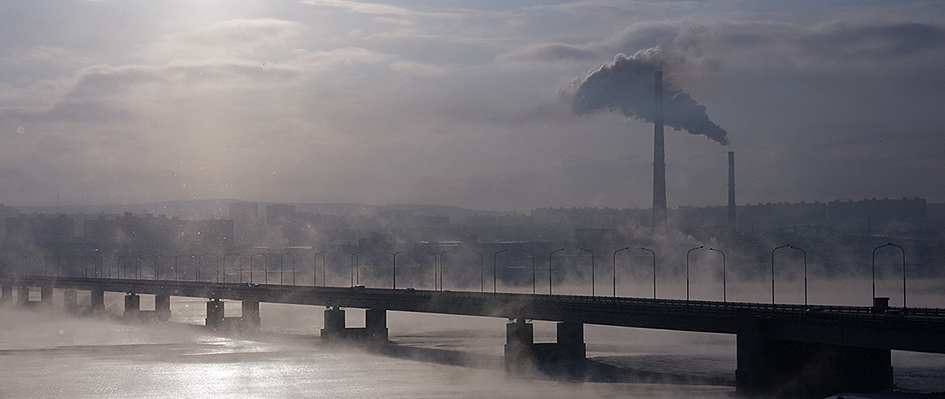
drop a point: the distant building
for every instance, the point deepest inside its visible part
(39, 229)
(870, 214)
(280, 214)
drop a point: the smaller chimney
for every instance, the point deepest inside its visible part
(731, 191)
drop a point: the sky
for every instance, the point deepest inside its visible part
(471, 104)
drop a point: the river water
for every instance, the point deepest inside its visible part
(49, 354)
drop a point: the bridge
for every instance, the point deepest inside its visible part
(782, 349)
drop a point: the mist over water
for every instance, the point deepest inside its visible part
(45, 353)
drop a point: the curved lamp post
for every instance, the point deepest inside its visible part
(903, 270)
(550, 269)
(118, 265)
(434, 268)
(441, 267)
(805, 271)
(654, 268)
(494, 280)
(252, 265)
(723, 272)
(315, 269)
(615, 268)
(592, 270)
(138, 265)
(772, 269)
(687, 268)
(176, 266)
(224, 264)
(354, 261)
(281, 263)
(481, 271)
(216, 258)
(394, 268)
(533, 269)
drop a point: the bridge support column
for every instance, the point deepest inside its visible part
(132, 305)
(570, 344)
(799, 369)
(97, 301)
(46, 295)
(214, 314)
(374, 331)
(250, 315)
(6, 292)
(162, 307)
(22, 295)
(375, 325)
(522, 353)
(70, 301)
(519, 346)
(334, 324)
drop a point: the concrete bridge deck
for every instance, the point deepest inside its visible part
(777, 343)
(912, 329)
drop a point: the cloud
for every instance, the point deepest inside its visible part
(224, 39)
(361, 7)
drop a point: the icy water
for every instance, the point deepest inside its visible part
(47, 354)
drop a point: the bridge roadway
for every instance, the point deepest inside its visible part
(912, 329)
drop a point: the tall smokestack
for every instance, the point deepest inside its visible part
(731, 191)
(659, 160)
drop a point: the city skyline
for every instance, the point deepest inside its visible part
(463, 105)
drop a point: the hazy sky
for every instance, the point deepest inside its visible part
(463, 103)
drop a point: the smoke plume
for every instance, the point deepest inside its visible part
(626, 85)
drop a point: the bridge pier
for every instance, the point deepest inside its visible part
(162, 307)
(70, 301)
(774, 367)
(132, 305)
(374, 331)
(46, 295)
(215, 317)
(523, 354)
(217, 320)
(6, 292)
(22, 295)
(250, 315)
(97, 301)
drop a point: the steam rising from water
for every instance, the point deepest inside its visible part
(626, 85)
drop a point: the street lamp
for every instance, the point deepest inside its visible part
(281, 258)
(687, 268)
(394, 268)
(772, 269)
(215, 258)
(481, 271)
(441, 267)
(903, 270)
(549, 268)
(592, 269)
(805, 272)
(315, 269)
(238, 261)
(615, 268)
(723, 272)
(654, 268)
(252, 266)
(494, 280)
(354, 260)
(434, 268)
(118, 263)
(533, 269)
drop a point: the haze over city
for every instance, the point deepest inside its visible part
(254, 169)
(462, 104)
